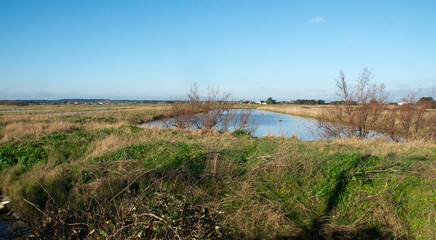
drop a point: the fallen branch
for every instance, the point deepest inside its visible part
(36, 208)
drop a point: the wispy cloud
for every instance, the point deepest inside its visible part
(316, 19)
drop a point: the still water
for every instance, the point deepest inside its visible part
(11, 228)
(266, 123)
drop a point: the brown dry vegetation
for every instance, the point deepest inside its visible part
(363, 108)
(413, 121)
(316, 111)
(212, 112)
(52, 120)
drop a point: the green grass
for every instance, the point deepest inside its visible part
(25, 154)
(211, 186)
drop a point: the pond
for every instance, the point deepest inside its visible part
(11, 228)
(267, 123)
(284, 125)
(4, 228)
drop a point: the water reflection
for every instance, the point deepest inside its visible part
(278, 124)
(265, 123)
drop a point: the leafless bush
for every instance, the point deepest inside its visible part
(409, 120)
(214, 111)
(181, 114)
(362, 108)
(359, 110)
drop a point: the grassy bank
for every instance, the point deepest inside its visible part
(103, 179)
(310, 111)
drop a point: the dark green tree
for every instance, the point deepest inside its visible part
(428, 102)
(270, 101)
(425, 99)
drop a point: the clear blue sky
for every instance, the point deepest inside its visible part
(253, 49)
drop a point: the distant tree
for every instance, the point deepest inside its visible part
(270, 101)
(428, 102)
(309, 102)
(425, 99)
(336, 102)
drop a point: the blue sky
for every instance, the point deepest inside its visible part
(253, 49)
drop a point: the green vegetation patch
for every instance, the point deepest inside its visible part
(67, 146)
(81, 118)
(161, 154)
(24, 154)
(241, 133)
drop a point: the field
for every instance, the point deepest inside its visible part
(40, 120)
(310, 111)
(97, 175)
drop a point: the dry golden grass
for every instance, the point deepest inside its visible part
(381, 147)
(41, 125)
(311, 111)
(66, 107)
(17, 126)
(256, 219)
(49, 108)
(105, 145)
(59, 118)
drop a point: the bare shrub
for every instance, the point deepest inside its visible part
(410, 120)
(181, 114)
(214, 111)
(362, 108)
(359, 110)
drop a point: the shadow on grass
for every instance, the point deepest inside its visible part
(320, 227)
